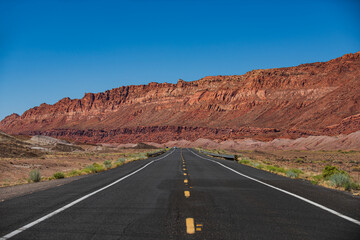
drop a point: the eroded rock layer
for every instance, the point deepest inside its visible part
(311, 99)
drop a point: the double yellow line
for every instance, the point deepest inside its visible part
(190, 222)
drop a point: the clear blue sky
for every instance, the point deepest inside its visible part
(55, 49)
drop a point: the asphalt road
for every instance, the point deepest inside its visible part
(158, 201)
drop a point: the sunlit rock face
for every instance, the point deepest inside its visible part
(309, 99)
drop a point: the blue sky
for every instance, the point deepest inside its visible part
(55, 49)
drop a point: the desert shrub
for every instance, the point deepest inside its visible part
(260, 166)
(94, 168)
(107, 164)
(88, 169)
(142, 155)
(328, 171)
(254, 164)
(314, 182)
(244, 161)
(293, 173)
(120, 162)
(74, 173)
(98, 167)
(340, 180)
(35, 175)
(299, 160)
(316, 179)
(59, 175)
(355, 186)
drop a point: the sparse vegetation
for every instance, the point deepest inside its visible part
(107, 164)
(275, 169)
(74, 173)
(340, 180)
(58, 175)
(23, 159)
(328, 171)
(293, 173)
(35, 175)
(245, 161)
(328, 175)
(94, 168)
(120, 162)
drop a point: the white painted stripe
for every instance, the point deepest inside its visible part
(23, 228)
(284, 191)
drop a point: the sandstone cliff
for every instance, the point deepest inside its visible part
(309, 99)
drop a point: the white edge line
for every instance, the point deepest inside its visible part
(289, 193)
(27, 226)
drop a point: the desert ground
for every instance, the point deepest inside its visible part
(310, 163)
(20, 155)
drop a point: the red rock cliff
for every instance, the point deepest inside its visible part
(310, 99)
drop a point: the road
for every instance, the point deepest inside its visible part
(182, 195)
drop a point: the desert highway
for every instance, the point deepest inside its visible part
(182, 194)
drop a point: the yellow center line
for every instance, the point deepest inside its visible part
(190, 229)
(198, 227)
(187, 194)
(185, 174)
(186, 181)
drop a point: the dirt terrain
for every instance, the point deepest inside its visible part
(16, 170)
(21, 155)
(310, 162)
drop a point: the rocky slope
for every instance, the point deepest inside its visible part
(310, 99)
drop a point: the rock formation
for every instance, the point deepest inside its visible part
(320, 98)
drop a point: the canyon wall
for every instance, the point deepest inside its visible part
(311, 99)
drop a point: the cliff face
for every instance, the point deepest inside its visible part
(310, 99)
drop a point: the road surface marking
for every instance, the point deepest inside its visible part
(199, 225)
(27, 226)
(185, 174)
(187, 194)
(184, 169)
(190, 229)
(286, 192)
(198, 229)
(186, 181)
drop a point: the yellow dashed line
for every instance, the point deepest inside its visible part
(187, 194)
(186, 181)
(185, 174)
(190, 229)
(198, 229)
